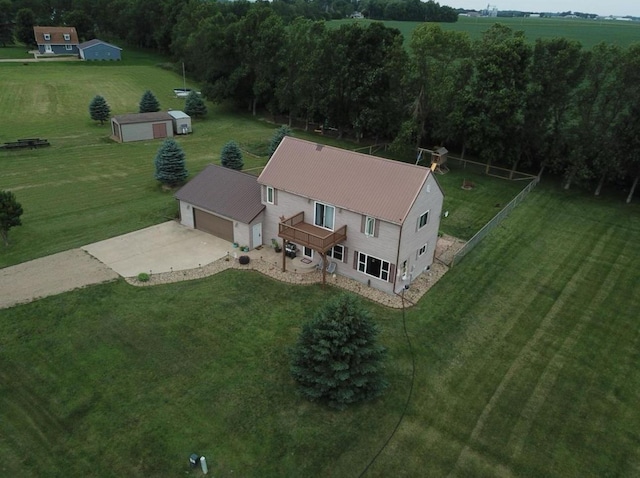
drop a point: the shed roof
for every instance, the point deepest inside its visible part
(57, 35)
(365, 184)
(94, 42)
(132, 118)
(224, 191)
(176, 114)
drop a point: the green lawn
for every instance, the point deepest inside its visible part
(526, 365)
(85, 187)
(587, 32)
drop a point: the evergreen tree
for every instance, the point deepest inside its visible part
(170, 164)
(10, 212)
(280, 133)
(336, 359)
(99, 109)
(194, 105)
(149, 103)
(231, 156)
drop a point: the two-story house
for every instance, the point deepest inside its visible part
(56, 40)
(377, 219)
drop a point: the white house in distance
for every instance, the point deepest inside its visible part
(374, 220)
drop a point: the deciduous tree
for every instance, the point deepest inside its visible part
(170, 164)
(336, 359)
(10, 212)
(25, 20)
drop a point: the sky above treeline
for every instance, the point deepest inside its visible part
(610, 7)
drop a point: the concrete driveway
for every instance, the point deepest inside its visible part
(161, 248)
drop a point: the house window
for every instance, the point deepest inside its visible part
(370, 226)
(423, 220)
(324, 215)
(422, 250)
(68, 47)
(270, 195)
(67, 37)
(47, 36)
(336, 252)
(373, 266)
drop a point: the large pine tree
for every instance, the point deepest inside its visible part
(231, 156)
(149, 103)
(170, 164)
(336, 359)
(277, 138)
(99, 109)
(194, 105)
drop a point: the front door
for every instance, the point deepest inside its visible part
(47, 48)
(256, 235)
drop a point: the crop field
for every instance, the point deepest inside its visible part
(587, 32)
(526, 365)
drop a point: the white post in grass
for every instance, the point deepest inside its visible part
(203, 464)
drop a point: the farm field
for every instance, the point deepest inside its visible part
(85, 187)
(525, 365)
(587, 32)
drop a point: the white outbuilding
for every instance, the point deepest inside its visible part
(181, 122)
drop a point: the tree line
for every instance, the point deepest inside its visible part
(550, 106)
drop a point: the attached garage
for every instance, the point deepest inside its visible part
(216, 225)
(225, 203)
(141, 126)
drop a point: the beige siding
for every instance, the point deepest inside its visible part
(413, 239)
(384, 246)
(142, 131)
(186, 214)
(242, 232)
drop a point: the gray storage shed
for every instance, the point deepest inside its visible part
(99, 50)
(181, 122)
(141, 126)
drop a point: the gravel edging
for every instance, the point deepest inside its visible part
(446, 247)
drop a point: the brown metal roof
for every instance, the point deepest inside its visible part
(142, 117)
(224, 191)
(369, 185)
(57, 35)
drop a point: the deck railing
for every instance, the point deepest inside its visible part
(294, 229)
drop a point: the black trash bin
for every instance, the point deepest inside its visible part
(194, 459)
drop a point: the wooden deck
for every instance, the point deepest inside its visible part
(294, 229)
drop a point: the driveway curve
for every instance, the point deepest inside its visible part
(51, 275)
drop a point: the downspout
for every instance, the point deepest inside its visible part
(395, 275)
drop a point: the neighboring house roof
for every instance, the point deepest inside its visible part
(224, 191)
(56, 35)
(365, 184)
(142, 117)
(94, 42)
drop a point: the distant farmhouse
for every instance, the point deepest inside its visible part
(99, 50)
(56, 40)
